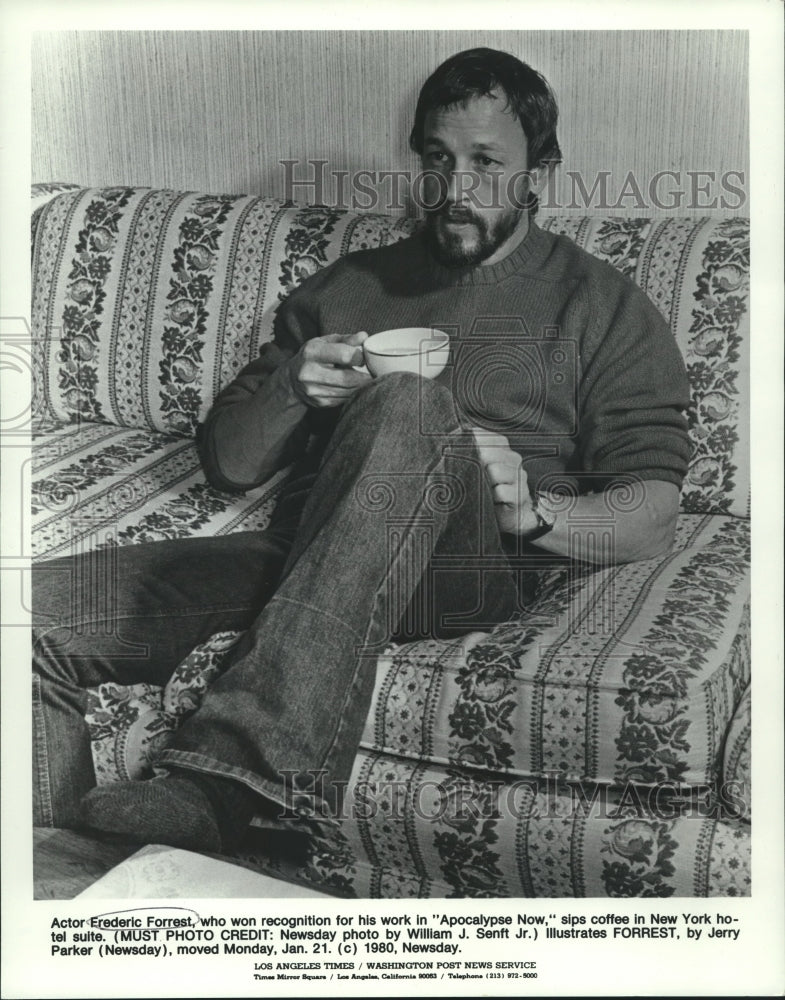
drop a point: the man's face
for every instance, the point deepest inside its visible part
(479, 153)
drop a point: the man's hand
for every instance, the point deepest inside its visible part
(323, 371)
(644, 530)
(508, 481)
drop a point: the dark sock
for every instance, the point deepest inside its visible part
(233, 804)
(173, 811)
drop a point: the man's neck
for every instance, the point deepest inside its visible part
(511, 243)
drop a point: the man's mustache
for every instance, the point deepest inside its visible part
(455, 213)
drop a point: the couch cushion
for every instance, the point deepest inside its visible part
(149, 301)
(95, 485)
(421, 830)
(625, 674)
(414, 828)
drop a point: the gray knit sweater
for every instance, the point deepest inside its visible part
(551, 347)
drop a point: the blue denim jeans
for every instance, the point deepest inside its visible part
(392, 536)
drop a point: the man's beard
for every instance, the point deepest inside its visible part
(448, 247)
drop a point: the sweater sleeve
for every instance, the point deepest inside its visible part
(257, 425)
(634, 389)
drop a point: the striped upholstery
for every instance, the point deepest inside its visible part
(626, 674)
(153, 300)
(146, 302)
(460, 835)
(95, 485)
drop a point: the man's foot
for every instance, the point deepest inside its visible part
(173, 811)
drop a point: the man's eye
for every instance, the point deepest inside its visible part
(437, 156)
(486, 161)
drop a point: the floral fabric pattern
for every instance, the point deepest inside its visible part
(640, 698)
(436, 831)
(244, 301)
(127, 730)
(736, 771)
(130, 726)
(654, 733)
(728, 871)
(368, 232)
(128, 365)
(85, 296)
(466, 838)
(72, 479)
(96, 485)
(40, 194)
(50, 244)
(306, 245)
(178, 518)
(620, 241)
(45, 189)
(716, 366)
(189, 293)
(188, 284)
(481, 720)
(639, 859)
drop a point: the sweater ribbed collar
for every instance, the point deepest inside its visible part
(527, 256)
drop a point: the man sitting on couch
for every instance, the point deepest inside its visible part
(412, 503)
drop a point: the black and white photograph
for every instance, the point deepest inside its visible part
(382, 431)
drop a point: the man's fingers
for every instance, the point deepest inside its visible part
(494, 448)
(497, 456)
(324, 386)
(316, 374)
(503, 467)
(326, 352)
(327, 395)
(326, 369)
(501, 472)
(343, 338)
(510, 493)
(489, 439)
(320, 389)
(353, 339)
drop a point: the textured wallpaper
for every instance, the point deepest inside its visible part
(651, 122)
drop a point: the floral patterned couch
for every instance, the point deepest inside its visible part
(598, 746)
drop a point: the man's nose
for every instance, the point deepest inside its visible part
(455, 186)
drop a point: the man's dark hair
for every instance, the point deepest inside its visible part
(483, 73)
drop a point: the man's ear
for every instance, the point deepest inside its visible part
(538, 178)
(531, 183)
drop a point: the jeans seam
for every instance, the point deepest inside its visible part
(318, 611)
(209, 765)
(439, 460)
(40, 755)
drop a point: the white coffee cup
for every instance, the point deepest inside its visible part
(422, 350)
